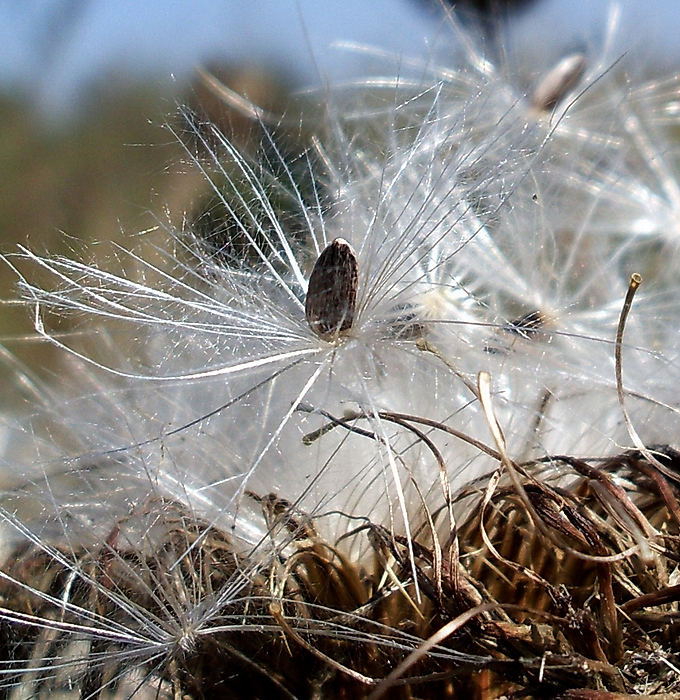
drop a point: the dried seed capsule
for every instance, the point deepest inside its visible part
(559, 81)
(332, 292)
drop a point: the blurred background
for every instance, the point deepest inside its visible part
(86, 87)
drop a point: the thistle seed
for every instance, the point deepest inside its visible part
(527, 327)
(332, 292)
(552, 89)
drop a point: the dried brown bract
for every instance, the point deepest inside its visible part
(558, 603)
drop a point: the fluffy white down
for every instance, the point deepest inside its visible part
(488, 238)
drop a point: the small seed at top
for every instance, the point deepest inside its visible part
(553, 88)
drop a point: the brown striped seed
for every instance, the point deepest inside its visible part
(332, 292)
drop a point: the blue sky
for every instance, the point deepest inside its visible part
(164, 38)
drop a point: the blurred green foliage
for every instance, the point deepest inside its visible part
(113, 174)
(102, 176)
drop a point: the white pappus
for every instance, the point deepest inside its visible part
(320, 373)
